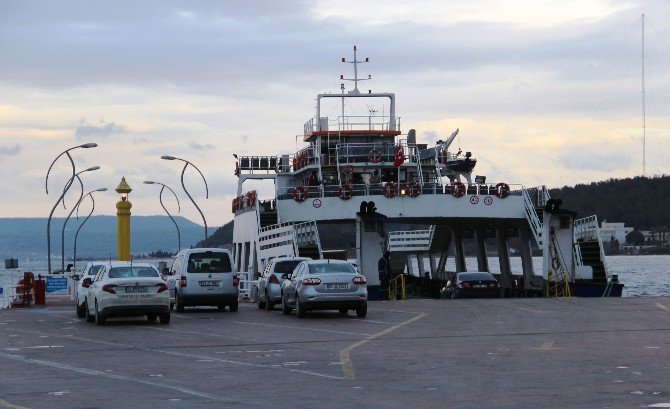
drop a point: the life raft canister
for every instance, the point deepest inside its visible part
(458, 189)
(390, 190)
(300, 193)
(344, 191)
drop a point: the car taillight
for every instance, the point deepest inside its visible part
(273, 279)
(311, 281)
(493, 285)
(236, 280)
(109, 288)
(182, 282)
(464, 285)
(162, 287)
(359, 280)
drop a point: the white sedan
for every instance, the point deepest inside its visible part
(127, 289)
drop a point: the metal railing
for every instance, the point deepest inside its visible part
(587, 229)
(375, 189)
(397, 288)
(531, 216)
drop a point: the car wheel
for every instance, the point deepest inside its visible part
(99, 319)
(81, 313)
(261, 304)
(299, 309)
(285, 309)
(269, 305)
(89, 316)
(233, 307)
(454, 294)
(180, 305)
(362, 311)
(164, 318)
(343, 311)
(152, 317)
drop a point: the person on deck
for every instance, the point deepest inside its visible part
(384, 270)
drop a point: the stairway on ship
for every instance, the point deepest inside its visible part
(590, 250)
(268, 218)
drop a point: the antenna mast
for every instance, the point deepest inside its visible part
(644, 111)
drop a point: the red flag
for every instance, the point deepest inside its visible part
(399, 157)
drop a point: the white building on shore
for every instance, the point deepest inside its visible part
(618, 231)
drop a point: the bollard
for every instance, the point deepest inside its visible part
(40, 291)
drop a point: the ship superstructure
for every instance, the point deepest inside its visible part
(363, 170)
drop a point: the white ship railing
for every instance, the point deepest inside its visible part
(532, 217)
(587, 229)
(350, 153)
(351, 123)
(411, 240)
(375, 189)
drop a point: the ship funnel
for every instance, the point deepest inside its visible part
(411, 137)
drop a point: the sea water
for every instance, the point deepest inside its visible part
(641, 275)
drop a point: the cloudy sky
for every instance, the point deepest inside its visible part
(544, 92)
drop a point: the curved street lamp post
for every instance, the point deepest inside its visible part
(89, 194)
(167, 157)
(76, 206)
(67, 186)
(160, 198)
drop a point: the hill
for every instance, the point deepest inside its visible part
(640, 202)
(26, 237)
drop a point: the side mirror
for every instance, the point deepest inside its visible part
(286, 276)
(87, 282)
(166, 271)
(75, 277)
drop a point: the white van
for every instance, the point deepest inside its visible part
(204, 276)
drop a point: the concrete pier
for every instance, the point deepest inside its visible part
(493, 353)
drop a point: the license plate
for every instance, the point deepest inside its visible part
(209, 283)
(139, 289)
(479, 286)
(337, 286)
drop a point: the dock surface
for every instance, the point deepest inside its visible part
(421, 353)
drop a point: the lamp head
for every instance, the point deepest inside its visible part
(92, 168)
(149, 182)
(123, 188)
(168, 157)
(102, 189)
(89, 145)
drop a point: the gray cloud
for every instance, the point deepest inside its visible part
(590, 159)
(198, 146)
(85, 130)
(6, 150)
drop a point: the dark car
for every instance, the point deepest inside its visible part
(479, 284)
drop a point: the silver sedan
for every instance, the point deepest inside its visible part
(325, 285)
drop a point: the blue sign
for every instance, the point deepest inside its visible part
(56, 285)
(1, 290)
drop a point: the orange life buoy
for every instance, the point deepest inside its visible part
(413, 189)
(458, 189)
(502, 190)
(390, 190)
(300, 193)
(344, 191)
(375, 155)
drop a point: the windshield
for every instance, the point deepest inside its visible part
(132, 271)
(209, 262)
(287, 266)
(324, 268)
(94, 270)
(475, 276)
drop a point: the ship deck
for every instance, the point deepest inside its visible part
(504, 353)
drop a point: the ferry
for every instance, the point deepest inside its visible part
(362, 170)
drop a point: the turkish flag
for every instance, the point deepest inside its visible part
(399, 156)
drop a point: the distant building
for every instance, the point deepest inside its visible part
(618, 231)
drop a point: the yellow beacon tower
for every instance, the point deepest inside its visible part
(123, 220)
